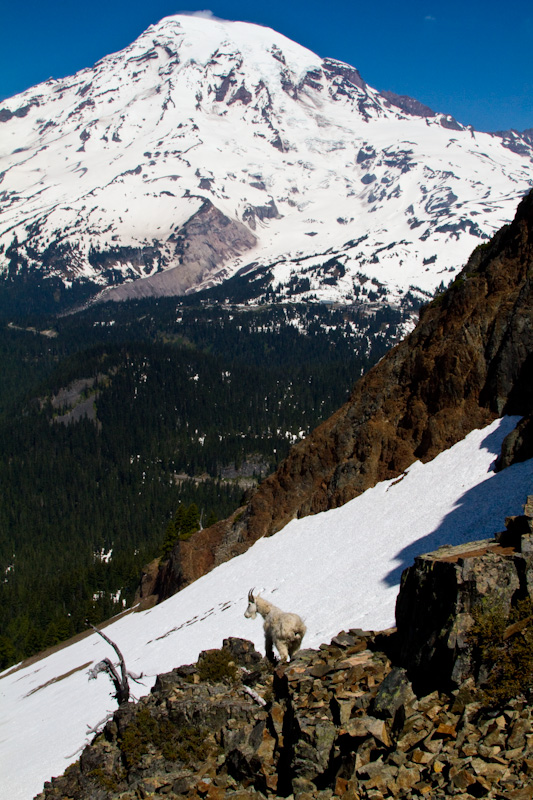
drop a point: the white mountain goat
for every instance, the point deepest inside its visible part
(283, 629)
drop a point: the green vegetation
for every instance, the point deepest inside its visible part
(217, 666)
(189, 405)
(504, 650)
(181, 527)
(145, 732)
(104, 779)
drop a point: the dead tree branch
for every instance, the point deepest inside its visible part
(120, 682)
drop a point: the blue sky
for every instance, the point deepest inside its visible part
(471, 59)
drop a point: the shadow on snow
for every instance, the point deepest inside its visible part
(478, 514)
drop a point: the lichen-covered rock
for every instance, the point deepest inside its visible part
(452, 601)
(394, 693)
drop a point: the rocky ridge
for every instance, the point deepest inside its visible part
(341, 721)
(467, 362)
(337, 722)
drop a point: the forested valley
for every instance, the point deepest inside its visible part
(126, 425)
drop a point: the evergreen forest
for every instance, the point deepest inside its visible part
(124, 427)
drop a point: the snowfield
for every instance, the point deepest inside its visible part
(339, 569)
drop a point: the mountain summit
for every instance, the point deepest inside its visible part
(207, 149)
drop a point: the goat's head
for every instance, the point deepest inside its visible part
(251, 611)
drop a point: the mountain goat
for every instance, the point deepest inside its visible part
(285, 630)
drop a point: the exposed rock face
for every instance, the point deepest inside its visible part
(445, 596)
(202, 246)
(408, 104)
(451, 584)
(340, 721)
(518, 445)
(147, 593)
(468, 361)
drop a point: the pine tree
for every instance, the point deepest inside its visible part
(191, 522)
(170, 539)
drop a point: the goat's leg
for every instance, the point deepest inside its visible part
(268, 646)
(294, 645)
(283, 650)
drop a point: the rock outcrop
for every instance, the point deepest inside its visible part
(345, 720)
(201, 247)
(468, 361)
(447, 597)
(518, 445)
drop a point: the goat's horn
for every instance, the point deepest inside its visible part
(251, 596)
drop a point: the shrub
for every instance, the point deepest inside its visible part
(106, 781)
(504, 649)
(217, 666)
(184, 743)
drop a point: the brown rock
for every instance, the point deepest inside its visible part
(518, 446)
(272, 782)
(490, 770)
(355, 727)
(421, 756)
(434, 746)
(407, 777)
(424, 789)
(517, 737)
(379, 731)
(377, 775)
(446, 731)
(462, 778)
(527, 766)
(438, 766)
(147, 593)
(524, 793)
(341, 785)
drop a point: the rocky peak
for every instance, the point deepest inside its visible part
(408, 104)
(338, 69)
(125, 152)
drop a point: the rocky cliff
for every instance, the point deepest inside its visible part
(350, 719)
(468, 361)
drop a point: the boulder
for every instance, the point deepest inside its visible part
(448, 594)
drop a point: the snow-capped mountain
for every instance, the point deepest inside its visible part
(207, 148)
(331, 568)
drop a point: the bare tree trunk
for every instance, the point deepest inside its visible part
(121, 683)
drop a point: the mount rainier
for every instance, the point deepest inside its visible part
(208, 149)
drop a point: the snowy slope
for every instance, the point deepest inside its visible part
(339, 569)
(105, 175)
